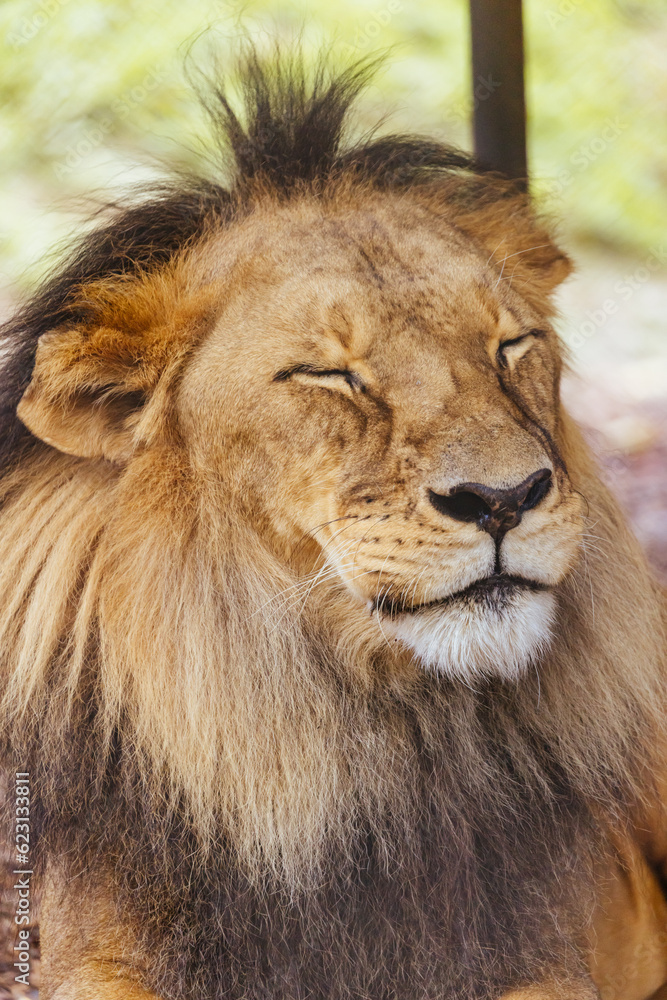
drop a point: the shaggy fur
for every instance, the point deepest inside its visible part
(278, 801)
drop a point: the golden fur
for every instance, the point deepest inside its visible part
(211, 569)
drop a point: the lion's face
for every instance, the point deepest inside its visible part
(387, 401)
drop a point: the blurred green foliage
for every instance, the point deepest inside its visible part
(97, 94)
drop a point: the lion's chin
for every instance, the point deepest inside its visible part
(486, 633)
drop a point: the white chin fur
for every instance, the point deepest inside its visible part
(467, 639)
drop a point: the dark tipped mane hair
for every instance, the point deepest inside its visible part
(289, 136)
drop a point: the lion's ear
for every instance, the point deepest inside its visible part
(101, 387)
(537, 268)
(76, 402)
(520, 248)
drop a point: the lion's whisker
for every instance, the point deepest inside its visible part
(334, 573)
(589, 578)
(501, 273)
(492, 254)
(305, 580)
(378, 618)
(527, 250)
(414, 589)
(310, 534)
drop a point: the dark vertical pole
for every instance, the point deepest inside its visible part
(498, 90)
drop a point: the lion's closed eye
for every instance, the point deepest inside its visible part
(341, 379)
(512, 350)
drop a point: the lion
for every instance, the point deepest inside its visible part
(336, 670)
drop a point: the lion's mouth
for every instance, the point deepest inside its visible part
(495, 592)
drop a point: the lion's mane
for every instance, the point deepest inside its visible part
(279, 810)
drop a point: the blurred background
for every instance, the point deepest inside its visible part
(97, 95)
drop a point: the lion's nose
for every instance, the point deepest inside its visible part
(493, 510)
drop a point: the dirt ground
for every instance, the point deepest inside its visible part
(615, 323)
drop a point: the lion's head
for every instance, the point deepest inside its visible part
(374, 376)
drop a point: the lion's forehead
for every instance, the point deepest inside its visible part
(377, 246)
(379, 276)
(345, 291)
